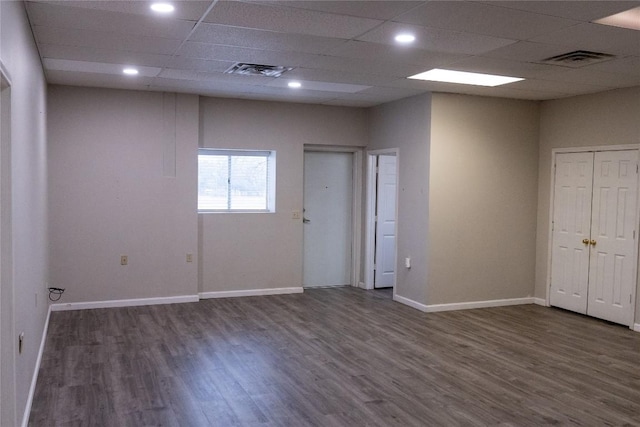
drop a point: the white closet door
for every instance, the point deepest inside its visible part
(571, 227)
(386, 224)
(612, 264)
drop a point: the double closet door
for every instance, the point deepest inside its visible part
(593, 261)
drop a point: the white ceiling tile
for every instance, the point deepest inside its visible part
(260, 39)
(588, 75)
(194, 64)
(527, 51)
(595, 37)
(572, 9)
(283, 82)
(437, 40)
(403, 54)
(98, 80)
(44, 14)
(314, 74)
(90, 54)
(505, 67)
(241, 54)
(383, 10)
(191, 10)
(624, 65)
(103, 40)
(348, 102)
(484, 19)
(557, 86)
(95, 67)
(291, 20)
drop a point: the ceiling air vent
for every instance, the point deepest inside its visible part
(258, 70)
(578, 58)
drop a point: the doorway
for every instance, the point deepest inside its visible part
(381, 251)
(330, 218)
(594, 223)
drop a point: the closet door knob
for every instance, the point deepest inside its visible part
(585, 241)
(593, 242)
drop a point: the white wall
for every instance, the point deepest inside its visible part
(112, 193)
(606, 118)
(405, 125)
(250, 251)
(24, 169)
(483, 192)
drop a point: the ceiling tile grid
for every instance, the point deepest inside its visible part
(343, 52)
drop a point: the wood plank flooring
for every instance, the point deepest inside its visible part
(335, 357)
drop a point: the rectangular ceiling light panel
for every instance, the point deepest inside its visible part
(628, 19)
(464, 77)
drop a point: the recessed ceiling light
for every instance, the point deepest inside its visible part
(294, 85)
(162, 7)
(628, 19)
(405, 38)
(463, 77)
(130, 71)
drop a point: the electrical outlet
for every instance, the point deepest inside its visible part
(189, 257)
(295, 215)
(124, 260)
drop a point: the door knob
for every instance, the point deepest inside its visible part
(593, 242)
(585, 241)
(305, 220)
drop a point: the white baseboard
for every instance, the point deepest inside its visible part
(540, 301)
(34, 378)
(361, 285)
(433, 308)
(250, 293)
(124, 303)
(410, 303)
(636, 327)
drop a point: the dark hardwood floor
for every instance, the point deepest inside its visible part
(335, 357)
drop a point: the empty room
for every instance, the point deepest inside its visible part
(319, 213)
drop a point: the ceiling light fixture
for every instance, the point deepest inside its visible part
(463, 77)
(629, 19)
(130, 71)
(405, 38)
(162, 7)
(294, 85)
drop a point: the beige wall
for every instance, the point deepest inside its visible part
(405, 125)
(112, 193)
(24, 212)
(248, 251)
(482, 191)
(607, 118)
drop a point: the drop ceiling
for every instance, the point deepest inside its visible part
(343, 52)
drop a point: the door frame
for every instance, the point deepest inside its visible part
(594, 149)
(8, 410)
(356, 207)
(370, 223)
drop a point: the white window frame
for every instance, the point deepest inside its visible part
(271, 176)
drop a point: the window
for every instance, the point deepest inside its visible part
(236, 180)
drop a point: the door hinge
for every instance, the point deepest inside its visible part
(375, 218)
(634, 234)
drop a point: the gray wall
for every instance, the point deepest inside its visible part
(606, 118)
(120, 184)
(24, 212)
(405, 125)
(482, 198)
(246, 251)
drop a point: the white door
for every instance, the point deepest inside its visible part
(593, 265)
(328, 200)
(612, 264)
(571, 228)
(385, 255)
